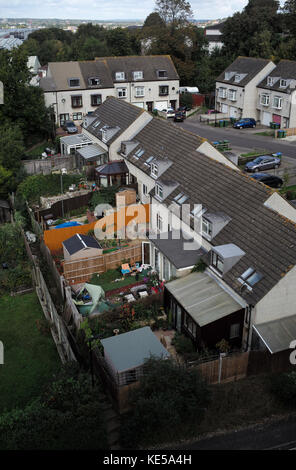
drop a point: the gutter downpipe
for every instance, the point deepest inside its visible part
(250, 308)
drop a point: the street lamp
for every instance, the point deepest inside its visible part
(63, 172)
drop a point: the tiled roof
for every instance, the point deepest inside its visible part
(286, 69)
(244, 65)
(113, 113)
(96, 69)
(149, 65)
(268, 239)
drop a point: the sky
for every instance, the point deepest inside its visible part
(110, 9)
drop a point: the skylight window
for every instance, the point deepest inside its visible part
(197, 211)
(180, 198)
(149, 160)
(96, 124)
(139, 153)
(250, 277)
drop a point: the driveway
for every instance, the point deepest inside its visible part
(244, 138)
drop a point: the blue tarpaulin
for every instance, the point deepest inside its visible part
(68, 224)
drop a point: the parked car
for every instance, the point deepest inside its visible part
(265, 162)
(245, 122)
(170, 112)
(183, 109)
(179, 116)
(70, 127)
(270, 180)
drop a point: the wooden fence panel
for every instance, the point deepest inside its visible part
(81, 270)
(226, 369)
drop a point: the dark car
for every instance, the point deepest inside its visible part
(270, 180)
(265, 162)
(70, 127)
(183, 109)
(245, 122)
(179, 116)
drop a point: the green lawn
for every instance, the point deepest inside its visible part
(105, 280)
(37, 151)
(30, 357)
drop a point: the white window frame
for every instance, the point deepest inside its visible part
(139, 91)
(145, 189)
(232, 95)
(122, 92)
(280, 102)
(215, 261)
(269, 81)
(222, 93)
(206, 227)
(119, 76)
(138, 75)
(159, 191)
(265, 99)
(163, 76)
(282, 80)
(237, 78)
(159, 222)
(154, 170)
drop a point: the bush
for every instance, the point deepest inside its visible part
(200, 266)
(183, 344)
(168, 400)
(284, 387)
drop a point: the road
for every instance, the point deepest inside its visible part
(279, 435)
(244, 138)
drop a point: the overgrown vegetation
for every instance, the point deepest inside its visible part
(168, 404)
(67, 415)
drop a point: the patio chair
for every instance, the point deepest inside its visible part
(125, 269)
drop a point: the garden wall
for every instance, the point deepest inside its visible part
(45, 167)
(69, 204)
(225, 369)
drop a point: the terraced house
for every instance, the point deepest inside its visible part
(276, 95)
(76, 89)
(236, 87)
(243, 232)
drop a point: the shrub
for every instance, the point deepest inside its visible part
(183, 344)
(200, 266)
(168, 400)
(284, 387)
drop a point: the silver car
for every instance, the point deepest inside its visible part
(265, 162)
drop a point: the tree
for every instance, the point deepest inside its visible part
(153, 20)
(169, 399)
(289, 16)
(11, 146)
(174, 12)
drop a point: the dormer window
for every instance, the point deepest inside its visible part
(94, 81)
(162, 74)
(269, 81)
(206, 227)
(159, 191)
(154, 170)
(217, 262)
(74, 82)
(283, 83)
(237, 78)
(104, 135)
(123, 148)
(138, 75)
(119, 75)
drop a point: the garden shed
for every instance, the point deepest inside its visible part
(81, 246)
(126, 353)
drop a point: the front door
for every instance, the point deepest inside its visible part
(149, 105)
(173, 104)
(146, 253)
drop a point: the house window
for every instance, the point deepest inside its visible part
(74, 82)
(154, 170)
(76, 101)
(138, 75)
(206, 227)
(180, 198)
(234, 330)
(163, 90)
(190, 325)
(119, 75)
(95, 100)
(232, 95)
(283, 83)
(63, 118)
(277, 102)
(222, 93)
(250, 277)
(265, 100)
(93, 81)
(121, 92)
(139, 91)
(269, 81)
(162, 74)
(237, 78)
(217, 262)
(138, 154)
(159, 222)
(145, 190)
(77, 116)
(159, 191)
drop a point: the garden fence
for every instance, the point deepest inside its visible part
(219, 369)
